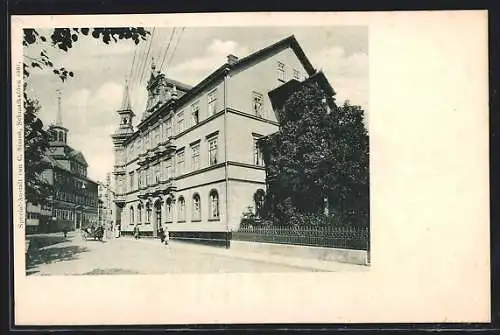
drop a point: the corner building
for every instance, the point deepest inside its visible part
(73, 201)
(193, 162)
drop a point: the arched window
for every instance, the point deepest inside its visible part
(258, 198)
(214, 205)
(169, 209)
(181, 216)
(131, 215)
(196, 207)
(60, 136)
(139, 213)
(148, 213)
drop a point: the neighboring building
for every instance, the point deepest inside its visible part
(106, 202)
(73, 202)
(193, 162)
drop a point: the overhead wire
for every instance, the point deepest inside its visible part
(140, 74)
(133, 84)
(166, 50)
(175, 48)
(147, 55)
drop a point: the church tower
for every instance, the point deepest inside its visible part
(124, 130)
(58, 133)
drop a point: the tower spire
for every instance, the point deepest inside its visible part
(126, 115)
(59, 110)
(126, 98)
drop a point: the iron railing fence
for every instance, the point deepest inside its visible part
(331, 237)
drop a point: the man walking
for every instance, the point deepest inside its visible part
(161, 234)
(136, 231)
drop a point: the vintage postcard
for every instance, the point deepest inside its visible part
(250, 168)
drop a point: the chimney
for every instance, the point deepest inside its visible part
(231, 59)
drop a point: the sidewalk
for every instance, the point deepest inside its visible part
(308, 263)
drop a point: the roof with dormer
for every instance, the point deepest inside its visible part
(288, 42)
(279, 95)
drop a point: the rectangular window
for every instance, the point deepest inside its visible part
(132, 182)
(180, 162)
(163, 129)
(157, 173)
(195, 158)
(157, 136)
(212, 102)
(162, 170)
(180, 122)
(296, 74)
(168, 169)
(257, 153)
(138, 179)
(258, 104)
(169, 128)
(146, 142)
(281, 72)
(195, 113)
(212, 151)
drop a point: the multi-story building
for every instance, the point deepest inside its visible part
(193, 162)
(106, 202)
(73, 202)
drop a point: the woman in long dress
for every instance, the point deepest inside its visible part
(117, 231)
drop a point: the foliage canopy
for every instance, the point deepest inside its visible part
(317, 163)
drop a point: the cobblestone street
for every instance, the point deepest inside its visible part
(75, 256)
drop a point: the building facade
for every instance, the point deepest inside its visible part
(106, 202)
(73, 202)
(193, 162)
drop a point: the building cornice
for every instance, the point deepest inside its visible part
(250, 116)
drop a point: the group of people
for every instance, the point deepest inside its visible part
(162, 234)
(95, 231)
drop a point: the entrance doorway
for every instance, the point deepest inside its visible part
(78, 219)
(157, 221)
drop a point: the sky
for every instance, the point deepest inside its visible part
(90, 99)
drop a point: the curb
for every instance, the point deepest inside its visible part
(318, 265)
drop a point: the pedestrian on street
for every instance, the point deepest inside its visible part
(65, 231)
(117, 230)
(161, 234)
(136, 231)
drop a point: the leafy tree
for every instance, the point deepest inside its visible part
(36, 142)
(65, 38)
(36, 137)
(320, 152)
